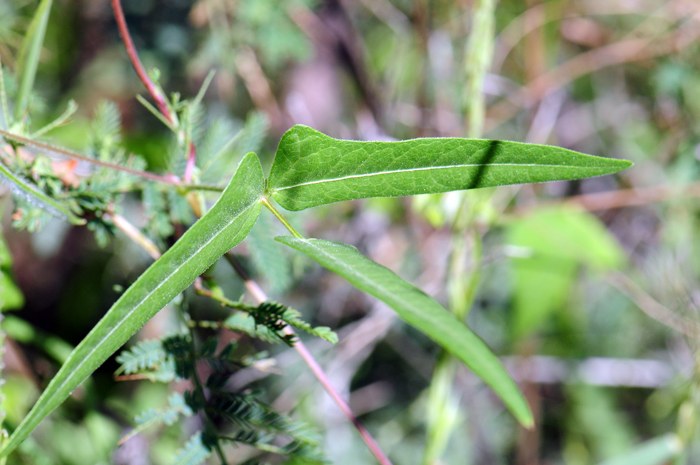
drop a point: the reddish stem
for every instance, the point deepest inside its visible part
(148, 83)
(136, 61)
(250, 284)
(191, 159)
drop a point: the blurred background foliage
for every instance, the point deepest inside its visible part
(588, 289)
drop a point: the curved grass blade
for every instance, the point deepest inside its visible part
(420, 311)
(312, 169)
(224, 226)
(28, 60)
(36, 197)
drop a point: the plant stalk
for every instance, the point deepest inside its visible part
(251, 285)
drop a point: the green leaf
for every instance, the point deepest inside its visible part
(36, 197)
(224, 226)
(313, 169)
(420, 311)
(11, 297)
(547, 249)
(29, 54)
(654, 452)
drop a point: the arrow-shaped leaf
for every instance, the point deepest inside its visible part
(224, 226)
(313, 169)
(420, 311)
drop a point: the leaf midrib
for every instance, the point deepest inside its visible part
(474, 165)
(117, 326)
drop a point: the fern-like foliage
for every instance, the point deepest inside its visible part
(88, 196)
(194, 452)
(177, 407)
(259, 424)
(276, 316)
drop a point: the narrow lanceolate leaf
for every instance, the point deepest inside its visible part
(313, 169)
(29, 54)
(420, 311)
(36, 197)
(224, 226)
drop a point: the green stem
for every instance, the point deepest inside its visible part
(478, 59)
(282, 219)
(200, 392)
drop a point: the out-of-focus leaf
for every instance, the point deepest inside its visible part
(547, 249)
(595, 417)
(653, 452)
(223, 227)
(420, 311)
(29, 55)
(11, 297)
(23, 332)
(313, 169)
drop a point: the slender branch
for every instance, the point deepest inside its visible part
(617, 53)
(150, 85)
(281, 218)
(136, 61)
(251, 285)
(133, 233)
(619, 198)
(94, 161)
(170, 179)
(652, 308)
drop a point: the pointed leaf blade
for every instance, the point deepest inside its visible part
(224, 226)
(312, 169)
(420, 311)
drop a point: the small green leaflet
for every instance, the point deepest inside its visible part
(224, 226)
(420, 311)
(312, 169)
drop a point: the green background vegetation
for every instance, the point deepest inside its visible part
(590, 300)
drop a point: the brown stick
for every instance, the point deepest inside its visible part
(619, 198)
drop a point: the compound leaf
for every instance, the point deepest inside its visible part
(312, 169)
(420, 311)
(224, 226)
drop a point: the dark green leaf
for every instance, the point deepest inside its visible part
(313, 169)
(420, 311)
(224, 226)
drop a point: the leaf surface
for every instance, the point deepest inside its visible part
(224, 226)
(420, 311)
(312, 169)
